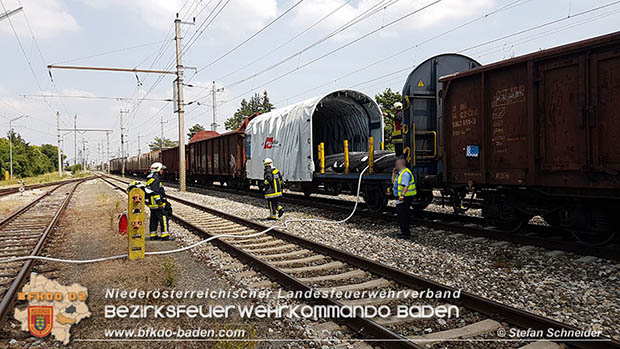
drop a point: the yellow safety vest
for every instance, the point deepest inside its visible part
(411, 190)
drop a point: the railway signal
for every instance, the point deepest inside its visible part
(136, 216)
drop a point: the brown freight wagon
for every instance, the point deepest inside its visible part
(170, 158)
(538, 134)
(219, 159)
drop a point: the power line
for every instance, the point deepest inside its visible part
(381, 60)
(100, 97)
(340, 47)
(366, 14)
(251, 36)
(211, 15)
(541, 25)
(124, 49)
(546, 33)
(287, 42)
(25, 54)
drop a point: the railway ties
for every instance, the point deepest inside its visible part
(24, 233)
(297, 264)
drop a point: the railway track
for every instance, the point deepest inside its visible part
(24, 232)
(302, 265)
(16, 189)
(527, 235)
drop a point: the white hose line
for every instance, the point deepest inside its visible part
(189, 247)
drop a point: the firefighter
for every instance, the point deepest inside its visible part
(404, 189)
(273, 189)
(156, 199)
(397, 137)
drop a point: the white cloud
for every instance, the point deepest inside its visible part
(48, 19)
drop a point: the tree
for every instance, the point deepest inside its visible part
(28, 160)
(257, 104)
(159, 144)
(193, 130)
(386, 101)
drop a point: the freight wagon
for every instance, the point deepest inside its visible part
(301, 137)
(219, 159)
(532, 135)
(538, 135)
(170, 158)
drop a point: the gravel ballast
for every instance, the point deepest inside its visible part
(580, 291)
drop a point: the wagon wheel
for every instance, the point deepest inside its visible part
(374, 198)
(421, 200)
(594, 238)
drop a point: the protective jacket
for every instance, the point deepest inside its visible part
(411, 189)
(155, 193)
(397, 131)
(273, 183)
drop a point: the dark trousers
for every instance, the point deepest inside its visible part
(158, 217)
(403, 215)
(274, 207)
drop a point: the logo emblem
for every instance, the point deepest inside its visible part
(40, 320)
(269, 143)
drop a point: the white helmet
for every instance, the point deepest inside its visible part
(398, 105)
(157, 166)
(268, 162)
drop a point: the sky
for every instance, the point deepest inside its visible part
(292, 49)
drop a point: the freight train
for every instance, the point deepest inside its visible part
(532, 135)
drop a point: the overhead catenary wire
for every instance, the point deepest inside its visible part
(27, 59)
(286, 42)
(365, 15)
(64, 117)
(530, 38)
(511, 5)
(541, 25)
(250, 37)
(381, 60)
(337, 49)
(202, 27)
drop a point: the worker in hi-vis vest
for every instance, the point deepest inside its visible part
(157, 202)
(404, 189)
(273, 189)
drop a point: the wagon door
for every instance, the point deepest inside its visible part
(561, 99)
(604, 112)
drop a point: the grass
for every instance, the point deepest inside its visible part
(169, 268)
(44, 178)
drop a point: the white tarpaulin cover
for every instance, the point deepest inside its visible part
(291, 135)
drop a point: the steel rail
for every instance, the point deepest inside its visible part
(360, 325)
(543, 236)
(9, 297)
(490, 308)
(11, 190)
(26, 207)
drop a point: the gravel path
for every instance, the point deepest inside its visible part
(581, 291)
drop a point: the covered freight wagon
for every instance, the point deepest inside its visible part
(291, 135)
(538, 134)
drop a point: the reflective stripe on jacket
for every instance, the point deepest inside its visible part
(411, 190)
(273, 183)
(157, 197)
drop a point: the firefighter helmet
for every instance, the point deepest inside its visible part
(398, 105)
(268, 162)
(157, 166)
